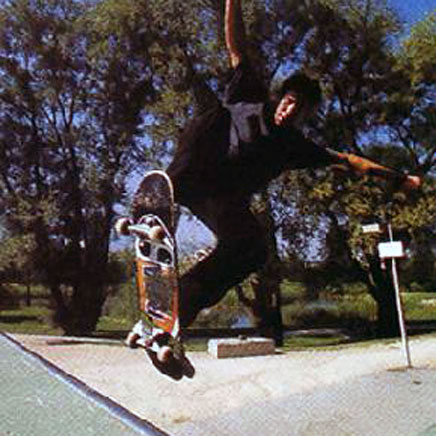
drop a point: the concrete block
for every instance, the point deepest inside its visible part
(232, 347)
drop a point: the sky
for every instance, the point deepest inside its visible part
(413, 10)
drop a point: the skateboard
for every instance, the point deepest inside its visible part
(152, 227)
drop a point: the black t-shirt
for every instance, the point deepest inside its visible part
(246, 98)
(235, 146)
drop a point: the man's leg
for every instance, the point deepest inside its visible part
(240, 251)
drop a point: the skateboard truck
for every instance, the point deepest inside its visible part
(151, 339)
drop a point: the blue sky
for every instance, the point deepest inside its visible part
(413, 10)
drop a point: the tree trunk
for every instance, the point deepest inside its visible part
(28, 293)
(86, 273)
(61, 313)
(86, 307)
(382, 290)
(89, 290)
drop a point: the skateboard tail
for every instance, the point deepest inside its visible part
(155, 195)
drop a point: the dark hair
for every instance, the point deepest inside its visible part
(304, 85)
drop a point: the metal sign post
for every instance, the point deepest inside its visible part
(393, 250)
(393, 256)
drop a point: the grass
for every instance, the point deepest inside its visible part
(37, 291)
(114, 324)
(354, 309)
(28, 320)
(295, 343)
(420, 306)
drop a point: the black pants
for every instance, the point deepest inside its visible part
(201, 185)
(240, 251)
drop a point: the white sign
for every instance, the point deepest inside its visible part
(371, 228)
(390, 250)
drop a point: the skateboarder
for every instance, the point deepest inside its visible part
(235, 148)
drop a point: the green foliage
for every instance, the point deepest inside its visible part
(8, 299)
(120, 267)
(16, 252)
(378, 105)
(28, 320)
(90, 91)
(292, 291)
(70, 119)
(419, 50)
(295, 342)
(420, 306)
(223, 315)
(352, 312)
(122, 302)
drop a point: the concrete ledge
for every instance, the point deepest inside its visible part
(221, 348)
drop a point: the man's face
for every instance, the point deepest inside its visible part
(293, 110)
(286, 109)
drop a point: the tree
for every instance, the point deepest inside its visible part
(17, 262)
(69, 125)
(349, 46)
(366, 86)
(89, 91)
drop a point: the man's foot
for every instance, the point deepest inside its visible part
(132, 340)
(141, 335)
(165, 352)
(170, 365)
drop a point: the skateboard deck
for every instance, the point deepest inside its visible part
(153, 229)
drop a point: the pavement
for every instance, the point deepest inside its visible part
(38, 398)
(93, 387)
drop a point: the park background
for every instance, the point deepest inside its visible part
(93, 94)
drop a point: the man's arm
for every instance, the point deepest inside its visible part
(234, 32)
(362, 166)
(245, 84)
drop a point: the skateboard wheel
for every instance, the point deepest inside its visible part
(132, 340)
(156, 233)
(150, 221)
(164, 354)
(122, 226)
